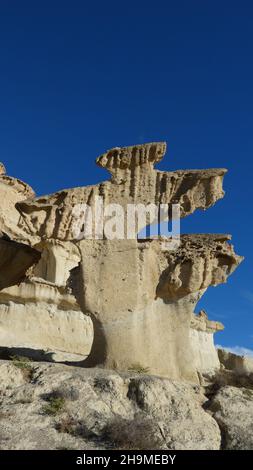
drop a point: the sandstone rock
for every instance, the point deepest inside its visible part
(10, 377)
(41, 316)
(44, 321)
(2, 169)
(12, 191)
(122, 308)
(241, 365)
(15, 260)
(202, 260)
(119, 302)
(202, 343)
(184, 424)
(134, 180)
(155, 293)
(232, 408)
(104, 397)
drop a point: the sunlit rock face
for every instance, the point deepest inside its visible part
(40, 316)
(12, 191)
(133, 180)
(147, 317)
(113, 303)
(202, 260)
(202, 344)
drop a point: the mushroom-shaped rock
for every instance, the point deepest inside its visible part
(139, 294)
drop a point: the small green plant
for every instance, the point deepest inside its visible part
(55, 406)
(20, 361)
(24, 364)
(57, 400)
(138, 369)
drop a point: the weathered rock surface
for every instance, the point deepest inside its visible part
(148, 315)
(232, 408)
(96, 407)
(241, 365)
(45, 322)
(134, 180)
(202, 260)
(94, 402)
(11, 377)
(12, 191)
(119, 302)
(15, 260)
(202, 343)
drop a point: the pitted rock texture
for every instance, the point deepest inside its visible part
(200, 261)
(232, 408)
(134, 180)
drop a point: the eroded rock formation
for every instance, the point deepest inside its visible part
(133, 180)
(105, 409)
(202, 342)
(169, 414)
(15, 260)
(117, 303)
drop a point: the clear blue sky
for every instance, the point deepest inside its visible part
(79, 77)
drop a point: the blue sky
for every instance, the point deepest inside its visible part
(80, 77)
